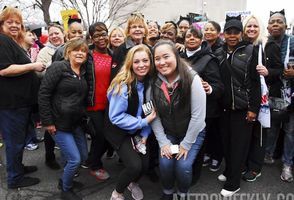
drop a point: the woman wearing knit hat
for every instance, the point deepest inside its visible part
(241, 101)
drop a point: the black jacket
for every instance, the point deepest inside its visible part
(240, 78)
(90, 71)
(62, 96)
(275, 68)
(207, 66)
(90, 77)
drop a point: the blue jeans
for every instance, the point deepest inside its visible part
(288, 153)
(14, 126)
(73, 146)
(272, 136)
(180, 171)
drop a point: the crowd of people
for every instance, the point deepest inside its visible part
(212, 96)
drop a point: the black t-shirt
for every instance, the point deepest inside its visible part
(18, 91)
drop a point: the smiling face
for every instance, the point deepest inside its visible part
(153, 31)
(137, 32)
(141, 64)
(210, 33)
(12, 26)
(77, 56)
(252, 29)
(165, 61)
(100, 40)
(75, 30)
(116, 38)
(56, 37)
(192, 42)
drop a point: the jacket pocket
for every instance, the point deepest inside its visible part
(241, 98)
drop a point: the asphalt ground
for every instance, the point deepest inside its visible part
(267, 187)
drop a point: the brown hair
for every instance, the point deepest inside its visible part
(73, 45)
(12, 12)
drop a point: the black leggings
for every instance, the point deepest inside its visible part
(135, 165)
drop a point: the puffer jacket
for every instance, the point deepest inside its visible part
(240, 78)
(62, 96)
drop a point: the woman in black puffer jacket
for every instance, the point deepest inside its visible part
(62, 102)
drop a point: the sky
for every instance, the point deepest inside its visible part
(262, 8)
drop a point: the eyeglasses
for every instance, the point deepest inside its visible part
(99, 35)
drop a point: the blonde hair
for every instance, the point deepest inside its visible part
(126, 75)
(261, 38)
(169, 26)
(116, 29)
(73, 45)
(136, 18)
(12, 12)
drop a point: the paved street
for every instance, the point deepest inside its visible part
(268, 186)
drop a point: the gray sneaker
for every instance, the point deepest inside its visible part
(136, 191)
(287, 174)
(268, 159)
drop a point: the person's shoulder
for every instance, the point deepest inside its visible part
(4, 40)
(61, 65)
(4, 37)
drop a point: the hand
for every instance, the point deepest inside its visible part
(38, 66)
(180, 47)
(165, 151)
(182, 152)
(251, 116)
(51, 129)
(151, 116)
(289, 73)
(206, 87)
(262, 70)
(143, 140)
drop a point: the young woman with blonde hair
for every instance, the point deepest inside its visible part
(126, 120)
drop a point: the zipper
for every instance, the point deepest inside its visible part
(233, 95)
(93, 78)
(232, 84)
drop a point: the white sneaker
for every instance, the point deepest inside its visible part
(116, 196)
(287, 173)
(228, 193)
(31, 147)
(222, 178)
(136, 191)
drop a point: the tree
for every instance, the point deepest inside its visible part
(44, 5)
(107, 11)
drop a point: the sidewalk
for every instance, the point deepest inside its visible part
(208, 186)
